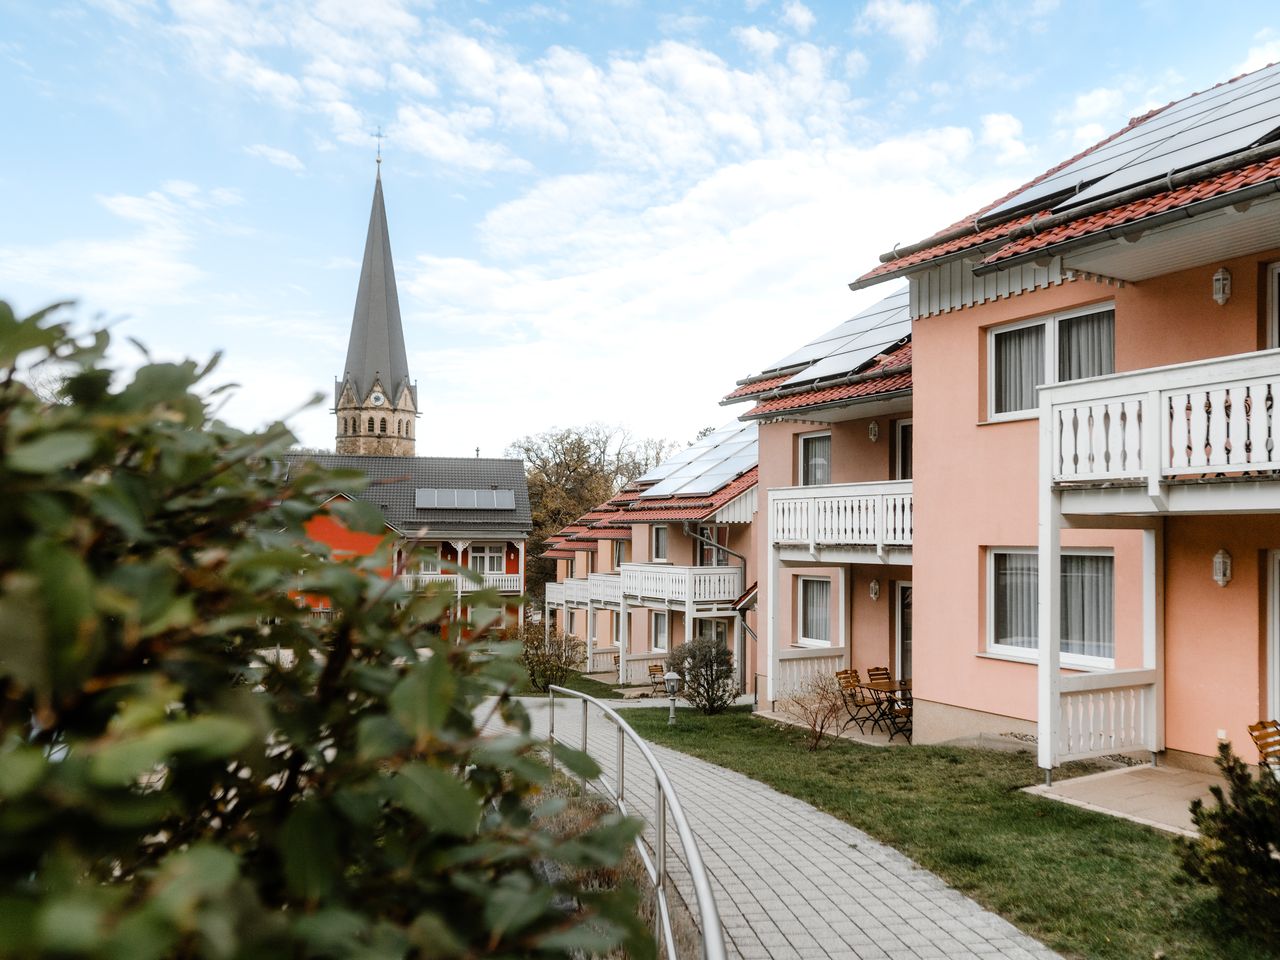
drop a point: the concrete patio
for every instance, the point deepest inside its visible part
(1158, 797)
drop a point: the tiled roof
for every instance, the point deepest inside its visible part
(558, 554)
(1147, 207)
(691, 508)
(891, 373)
(757, 386)
(393, 480)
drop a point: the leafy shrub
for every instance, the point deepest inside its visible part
(706, 667)
(190, 765)
(1238, 850)
(549, 656)
(818, 704)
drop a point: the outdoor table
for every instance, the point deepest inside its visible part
(885, 693)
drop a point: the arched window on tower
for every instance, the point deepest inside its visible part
(382, 425)
(370, 425)
(399, 428)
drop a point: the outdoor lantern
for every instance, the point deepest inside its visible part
(1222, 293)
(672, 681)
(873, 431)
(1222, 568)
(875, 590)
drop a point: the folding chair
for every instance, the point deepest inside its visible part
(878, 674)
(857, 703)
(899, 715)
(657, 680)
(1266, 737)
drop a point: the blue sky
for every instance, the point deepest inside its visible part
(599, 211)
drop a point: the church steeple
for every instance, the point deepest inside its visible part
(375, 402)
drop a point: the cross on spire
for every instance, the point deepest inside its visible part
(379, 136)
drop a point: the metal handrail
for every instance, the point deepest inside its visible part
(665, 802)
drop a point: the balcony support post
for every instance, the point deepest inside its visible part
(772, 601)
(520, 550)
(1155, 440)
(1153, 631)
(1050, 586)
(688, 613)
(591, 631)
(624, 639)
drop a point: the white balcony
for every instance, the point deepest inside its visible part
(605, 589)
(843, 522)
(501, 582)
(1193, 437)
(576, 593)
(555, 594)
(690, 586)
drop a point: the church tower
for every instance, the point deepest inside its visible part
(375, 404)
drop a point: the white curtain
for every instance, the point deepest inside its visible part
(1087, 346)
(1088, 606)
(1019, 368)
(817, 460)
(1016, 616)
(816, 608)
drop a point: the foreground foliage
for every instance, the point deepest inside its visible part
(705, 666)
(190, 766)
(1087, 885)
(1238, 850)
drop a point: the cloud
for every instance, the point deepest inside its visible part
(762, 43)
(1003, 131)
(855, 63)
(913, 23)
(798, 17)
(1266, 50)
(281, 158)
(450, 138)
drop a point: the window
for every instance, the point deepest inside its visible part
(568, 569)
(486, 557)
(399, 428)
(1088, 605)
(1273, 306)
(370, 425)
(619, 553)
(659, 629)
(660, 542)
(707, 555)
(382, 425)
(717, 629)
(815, 612)
(902, 458)
(429, 562)
(1048, 350)
(815, 459)
(355, 424)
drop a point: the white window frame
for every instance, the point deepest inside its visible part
(898, 446)
(1273, 309)
(619, 553)
(1032, 654)
(1273, 632)
(659, 640)
(898, 587)
(653, 543)
(1050, 323)
(568, 569)
(704, 625)
(803, 439)
(711, 532)
(489, 551)
(801, 639)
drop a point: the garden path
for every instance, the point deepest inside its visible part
(791, 881)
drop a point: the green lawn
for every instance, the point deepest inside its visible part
(577, 681)
(1085, 884)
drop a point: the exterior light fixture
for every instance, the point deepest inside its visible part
(873, 431)
(1222, 285)
(672, 681)
(875, 589)
(1222, 568)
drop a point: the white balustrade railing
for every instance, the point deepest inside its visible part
(637, 668)
(501, 582)
(1104, 713)
(843, 514)
(661, 581)
(796, 667)
(576, 592)
(602, 659)
(605, 588)
(1190, 419)
(555, 594)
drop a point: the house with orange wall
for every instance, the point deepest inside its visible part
(671, 557)
(834, 537)
(1096, 546)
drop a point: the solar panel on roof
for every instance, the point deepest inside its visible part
(878, 314)
(714, 465)
(450, 498)
(1203, 127)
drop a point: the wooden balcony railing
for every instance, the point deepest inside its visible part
(1191, 419)
(845, 514)
(661, 581)
(502, 582)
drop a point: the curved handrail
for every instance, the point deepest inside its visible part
(666, 800)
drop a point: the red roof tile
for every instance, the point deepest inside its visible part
(691, 508)
(758, 386)
(822, 395)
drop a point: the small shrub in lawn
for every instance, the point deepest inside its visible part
(549, 656)
(706, 667)
(818, 704)
(1238, 850)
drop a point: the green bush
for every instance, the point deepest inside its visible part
(190, 765)
(1238, 850)
(549, 656)
(706, 670)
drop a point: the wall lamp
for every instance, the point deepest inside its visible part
(1222, 568)
(1222, 285)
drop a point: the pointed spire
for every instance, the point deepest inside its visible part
(376, 348)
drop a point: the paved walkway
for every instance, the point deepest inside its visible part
(791, 881)
(1158, 797)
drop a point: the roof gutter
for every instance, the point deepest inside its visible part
(1243, 195)
(779, 392)
(1171, 181)
(782, 414)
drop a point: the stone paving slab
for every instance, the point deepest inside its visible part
(791, 881)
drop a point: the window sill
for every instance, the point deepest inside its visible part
(1034, 661)
(803, 644)
(1009, 418)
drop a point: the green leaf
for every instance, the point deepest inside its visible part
(515, 903)
(186, 878)
(20, 770)
(51, 452)
(360, 516)
(72, 923)
(576, 761)
(432, 935)
(378, 737)
(310, 851)
(333, 932)
(420, 702)
(439, 799)
(123, 761)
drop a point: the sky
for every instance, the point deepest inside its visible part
(599, 211)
